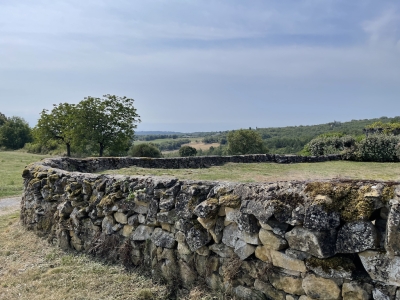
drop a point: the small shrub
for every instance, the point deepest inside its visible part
(245, 142)
(187, 151)
(378, 147)
(144, 150)
(329, 144)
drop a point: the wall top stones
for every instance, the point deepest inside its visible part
(333, 239)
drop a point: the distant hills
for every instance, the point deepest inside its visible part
(157, 133)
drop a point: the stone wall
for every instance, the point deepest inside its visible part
(336, 239)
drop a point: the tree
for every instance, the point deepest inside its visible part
(3, 119)
(57, 125)
(15, 133)
(144, 150)
(108, 122)
(245, 142)
(187, 151)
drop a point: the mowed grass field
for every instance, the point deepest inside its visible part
(11, 165)
(268, 172)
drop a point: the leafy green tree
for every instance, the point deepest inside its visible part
(59, 125)
(15, 133)
(108, 122)
(3, 119)
(245, 142)
(144, 150)
(187, 151)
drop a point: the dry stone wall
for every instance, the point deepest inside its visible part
(336, 239)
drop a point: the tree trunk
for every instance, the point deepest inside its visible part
(68, 150)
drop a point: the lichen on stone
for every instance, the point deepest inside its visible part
(230, 200)
(348, 199)
(334, 263)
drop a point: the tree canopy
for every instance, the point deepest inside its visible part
(245, 141)
(3, 119)
(187, 151)
(14, 133)
(59, 125)
(108, 122)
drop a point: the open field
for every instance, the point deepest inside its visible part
(11, 165)
(267, 172)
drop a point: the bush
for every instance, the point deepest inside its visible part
(144, 150)
(329, 144)
(245, 142)
(378, 147)
(14, 133)
(187, 151)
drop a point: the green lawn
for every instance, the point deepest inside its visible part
(267, 172)
(11, 165)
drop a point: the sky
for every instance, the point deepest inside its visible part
(208, 65)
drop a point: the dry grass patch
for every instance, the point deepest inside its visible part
(269, 172)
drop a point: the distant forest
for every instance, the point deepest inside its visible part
(283, 140)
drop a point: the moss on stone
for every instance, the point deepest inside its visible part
(53, 178)
(348, 199)
(230, 200)
(333, 263)
(387, 194)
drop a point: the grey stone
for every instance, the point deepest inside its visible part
(222, 250)
(142, 233)
(281, 260)
(121, 218)
(297, 254)
(353, 291)
(230, 235)
(167, 203)
(356, 237)
(286, 283)
(197, 238)
(217, 231)
(269, 290)
(163, 238)
(379, 295)
(107, 224)
(277, 227)
(244, 293)
(317, 243)
(319, 218)
(393, 229)
(141, 207)
(381, 267)
(321, 288)
(335, 267)
(133, 220)
(169, 217)
(244, 250)
(272, 241)
(65, 209)
(247, 223)
(207, 209)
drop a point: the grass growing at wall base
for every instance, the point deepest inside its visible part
(268, 172)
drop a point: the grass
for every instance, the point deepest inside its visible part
(11, 165)
(31, 268)
(267, 172)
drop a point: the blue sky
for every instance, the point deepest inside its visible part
(205, 65)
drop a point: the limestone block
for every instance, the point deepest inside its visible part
(243, 250)
(281, 260)
(297, 254)
(230, 235)
(381, 267)
(203, 251)
(321, 288)
(269, 239)
(127, 230)
(393, 229)
(247, 223)
(163, 238)
(231, 214)
(250, 238)
(166, 227)
(133, 220)
(263, 253)
(379, 295)
(291, 297)
(207, 223)
(319, 218)
(245, 293)
(288, 284)
(222, 250)
(269, 290)
(142, 233)
(141, 207)
(207, 209)
(334, 267)
(167, 217)
(121, 218)
(197, 238)
(353, 291)
(317, 243)
(254, 268)
(107, 224)
(356, 237)
(217, 231)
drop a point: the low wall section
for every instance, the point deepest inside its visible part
(283, 240)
